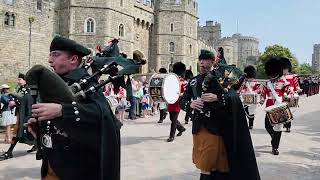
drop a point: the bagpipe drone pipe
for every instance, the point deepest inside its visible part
(47, 86)
(229, 76)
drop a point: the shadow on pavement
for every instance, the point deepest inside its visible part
(136, 140)
(265, 149)
(22, 153)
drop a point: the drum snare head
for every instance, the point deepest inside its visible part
(171, 88)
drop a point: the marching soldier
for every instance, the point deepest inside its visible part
(276, 88)
(174, 109)
(251, 86)
(83, 142)
(23, 103)
(221, 138)
(294, 87)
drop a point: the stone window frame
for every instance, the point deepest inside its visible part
(92, 25)
(9, 19)
(39, 5)
(121, 3)
(190, 49)
(171, 27)
(172, 47)
(121, 30)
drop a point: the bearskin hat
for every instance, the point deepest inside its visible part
(250, 71)
(273, 67)
(163, 70)
(179, 68)
(286, 64)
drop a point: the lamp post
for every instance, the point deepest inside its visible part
(31, 20)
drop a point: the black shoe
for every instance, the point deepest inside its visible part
(288, 130)
(275, 151)
(186, 122)
(34, 148)
(250, 127)
(160, 121)
(6, 155)
(170, 139)
(180, 132)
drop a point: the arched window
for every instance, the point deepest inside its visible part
(9, 19)
(190, 49)
(121, 3)
(171, 27)
(171, 47)
(6, 18)
(90, 25)
(39, 5)
(121, 30)
(12, 20)
(142, 24)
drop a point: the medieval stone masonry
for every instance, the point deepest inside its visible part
(163, 31)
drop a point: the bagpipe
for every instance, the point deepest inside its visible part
(210, 84)
(229, 76)
(47, 86)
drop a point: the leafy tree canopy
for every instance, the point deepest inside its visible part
(276, 51)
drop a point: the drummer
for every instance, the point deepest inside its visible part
(174, 109)
(294, 88)
(276, 88)
(163, 105)
(251, 86)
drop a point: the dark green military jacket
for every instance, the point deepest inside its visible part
(227, 119)
(24, 113)
(89, 144)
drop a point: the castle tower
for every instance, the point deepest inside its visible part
(211, 32)
(316, 57)
(175, 33)
(98, 21)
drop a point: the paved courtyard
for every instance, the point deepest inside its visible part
(147, 156)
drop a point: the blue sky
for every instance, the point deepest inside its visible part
(292, 23)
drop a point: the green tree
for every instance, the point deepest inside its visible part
(275, 51)
(305, 68)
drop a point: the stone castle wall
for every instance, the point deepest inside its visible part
(14, 40)
(147, 29)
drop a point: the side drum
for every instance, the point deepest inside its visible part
(293, 102)
(249, 98)
(164, 88)
(279, 114)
